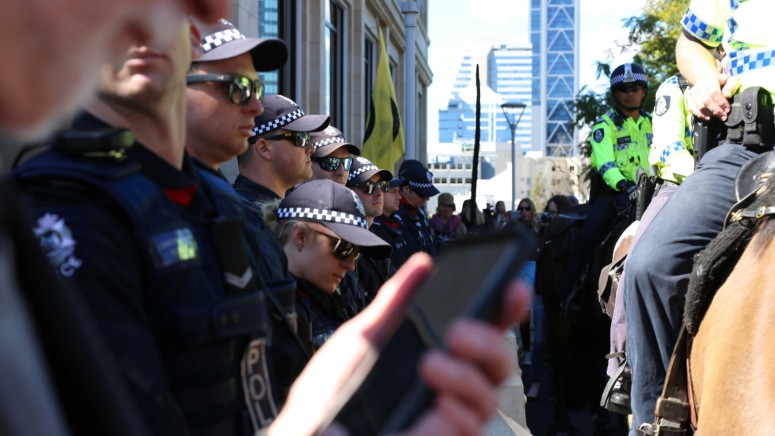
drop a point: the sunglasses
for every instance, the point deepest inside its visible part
(342, 249)
(629, 88)
(368, 187)
(300, 139)
(332, 163)
(240, 90)
(523, 208)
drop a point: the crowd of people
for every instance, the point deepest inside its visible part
(145, 294)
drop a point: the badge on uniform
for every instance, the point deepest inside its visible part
(57, 242)
(662, 105)
(598, 135)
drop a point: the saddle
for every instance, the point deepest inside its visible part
(676, 411)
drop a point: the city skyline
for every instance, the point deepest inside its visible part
(459, 27)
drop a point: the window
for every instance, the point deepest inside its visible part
(334, 59)
(276, 20)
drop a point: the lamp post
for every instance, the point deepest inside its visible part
(512, 111)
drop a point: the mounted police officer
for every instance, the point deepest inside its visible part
(620, 146)
(160, 252)
(672, 161)
(659, 266)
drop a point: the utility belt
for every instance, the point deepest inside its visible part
(750, 121)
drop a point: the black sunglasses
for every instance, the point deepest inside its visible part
(241, 88)
(343, 250)
(624, 89)
(368, 187)
(524, 208)
(332, 163)
(300, 139)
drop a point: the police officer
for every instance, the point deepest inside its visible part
(659, 266)
(158, 249)
(389, 225)
(333, 156)
(415, 193)
(672, 158)
(620, 145)
(216, 132)
(323, 229)
(370, 184)
(332, 160)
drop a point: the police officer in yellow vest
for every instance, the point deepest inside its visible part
(621, 139)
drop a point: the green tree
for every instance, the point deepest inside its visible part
(538, 192)
(653, 35)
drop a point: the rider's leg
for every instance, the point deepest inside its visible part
(659, 266)
(618, 320)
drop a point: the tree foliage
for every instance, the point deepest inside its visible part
(652, 36)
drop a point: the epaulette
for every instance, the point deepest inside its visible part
(108, 143)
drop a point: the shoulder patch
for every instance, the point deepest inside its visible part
(598, 135)
(662, 105)
(57, 242)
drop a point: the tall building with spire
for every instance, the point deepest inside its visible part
(554, 34)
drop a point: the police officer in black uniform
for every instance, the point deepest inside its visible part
(370, 184)
(389, 225)
(414, 195)
(158, 249)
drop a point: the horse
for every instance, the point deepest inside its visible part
(725, 382)
(582, 341)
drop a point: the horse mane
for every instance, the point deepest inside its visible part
(713, 265)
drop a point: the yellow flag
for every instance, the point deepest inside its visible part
(383, 143)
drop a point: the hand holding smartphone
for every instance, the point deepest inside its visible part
(470, 279)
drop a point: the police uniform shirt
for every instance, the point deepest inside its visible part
(620, 146)
(748, 44)
(416, 228)
(390, 230)
(92, 243)
(671, 148)
(254, 193)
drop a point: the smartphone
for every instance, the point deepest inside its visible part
(470, 278)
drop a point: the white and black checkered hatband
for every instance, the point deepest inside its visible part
(219, 38)
(315, 214)
(327, 141)
(361, 170)
(414, 184)
(278, 123)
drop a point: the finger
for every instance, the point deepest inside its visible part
(449, 376)
(516, 305)
(381, 317)
(483, 345)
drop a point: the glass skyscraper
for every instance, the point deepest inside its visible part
(554, 31)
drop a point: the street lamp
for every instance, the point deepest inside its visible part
(513, 111)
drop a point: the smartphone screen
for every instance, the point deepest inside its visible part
(470, 278)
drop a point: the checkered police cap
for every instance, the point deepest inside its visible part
(281, 112)
(222, 40)
(418, 177)
(629, 73)
(314, 214)
(337, 207)
(329, 140)
(363, 169)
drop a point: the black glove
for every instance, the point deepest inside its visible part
(628, 189)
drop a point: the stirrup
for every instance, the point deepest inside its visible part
(616, 395)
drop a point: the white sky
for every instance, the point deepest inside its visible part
(458, 25)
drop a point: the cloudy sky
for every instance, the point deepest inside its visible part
(459, 25)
